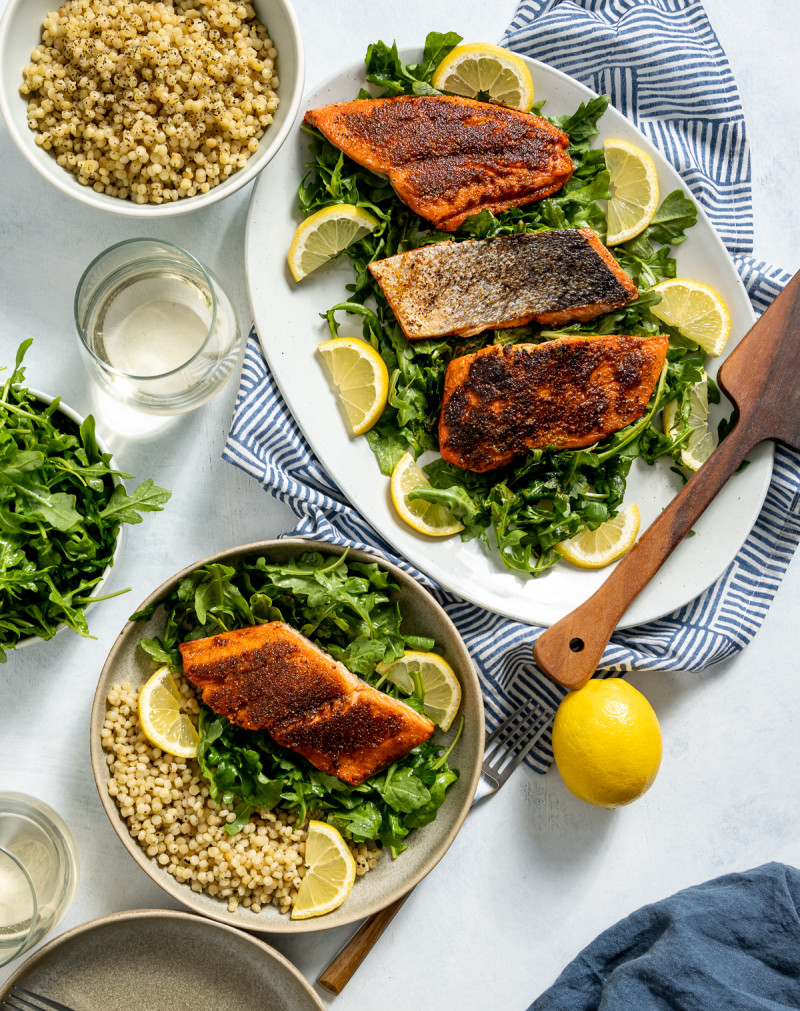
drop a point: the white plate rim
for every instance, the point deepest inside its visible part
(682, 578)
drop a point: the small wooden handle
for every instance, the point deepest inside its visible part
(338, 972)
(570, 651)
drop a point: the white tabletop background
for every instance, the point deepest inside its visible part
(535, 874)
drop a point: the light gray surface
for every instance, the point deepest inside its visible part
(535, 874)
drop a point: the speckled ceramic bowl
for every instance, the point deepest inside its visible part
(391, 878)
(163, 960)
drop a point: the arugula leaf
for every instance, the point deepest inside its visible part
(126, 507)
(60, 514)
(581, 125)
(676, 213)
(385, 69)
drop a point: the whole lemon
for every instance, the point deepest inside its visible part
(607, 742)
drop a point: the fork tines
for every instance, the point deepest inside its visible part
(24, 1000)
(507, 746)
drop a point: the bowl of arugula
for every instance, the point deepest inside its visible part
(359, 609)
(62, 506)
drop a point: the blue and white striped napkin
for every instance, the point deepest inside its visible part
(665, 70)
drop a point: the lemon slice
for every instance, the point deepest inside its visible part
(593, 549)
(701, 443)
(361, 379)
(488, 73)
(442, 690)
(160, 716)
(696, 310)
(634, 190)
(324, 234)
(331, 871)
(424, 517)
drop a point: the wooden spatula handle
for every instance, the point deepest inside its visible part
(569, 651)
(338, 971)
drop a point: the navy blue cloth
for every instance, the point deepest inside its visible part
(731, 944)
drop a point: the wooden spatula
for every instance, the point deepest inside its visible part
(762, 379)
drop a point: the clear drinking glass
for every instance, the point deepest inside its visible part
(156, 329)
(38, 872)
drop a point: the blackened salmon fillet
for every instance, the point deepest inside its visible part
(463, 288)
(501, 402)
(270, 677)
(450, 157)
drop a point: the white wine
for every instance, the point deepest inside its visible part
(150, 325)
(156, 329)
(17, 906)
(32, 900)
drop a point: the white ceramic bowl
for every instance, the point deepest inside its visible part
(78, 419)
(20, 33)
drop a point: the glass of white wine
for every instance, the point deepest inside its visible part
(38, 872)
(156, 329)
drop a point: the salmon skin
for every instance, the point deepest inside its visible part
(462, 288)
(449, 157)
(270, 677)
(501, 402)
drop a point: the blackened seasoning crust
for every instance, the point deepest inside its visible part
(463, 288)
(449, 157)
(567, 393)
(270, 677)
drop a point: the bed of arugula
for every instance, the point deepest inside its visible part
(528, 507)
(60, 514)
(351, 610)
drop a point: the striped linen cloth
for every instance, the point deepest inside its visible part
(662, 65)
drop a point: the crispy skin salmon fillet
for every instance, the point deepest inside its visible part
(566, 393)
(450, 157)
(463, 288)
(270, 677)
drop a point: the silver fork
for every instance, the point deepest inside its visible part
(504, 750)
(19, 999)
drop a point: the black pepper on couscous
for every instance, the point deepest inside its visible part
(166, 805)
(151, 101)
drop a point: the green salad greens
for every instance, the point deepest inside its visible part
(60, 514)
(527, 507)
(350, 609)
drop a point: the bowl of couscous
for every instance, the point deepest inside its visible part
(163, 808)
(149, 108)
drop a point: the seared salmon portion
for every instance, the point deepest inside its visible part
(450, 157)
(503, 401)
(270, 677)
(463, 288)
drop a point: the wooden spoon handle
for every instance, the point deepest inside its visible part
(570, 651)
(339, 970)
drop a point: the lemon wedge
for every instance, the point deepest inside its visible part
(331, 871)
(697, 310)
(324, 234)
(634, 190)
(161, 717)
(593, 549)
(701, 443)
(487, 73)
(361, 379)
(424, 517)
(442, 690)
